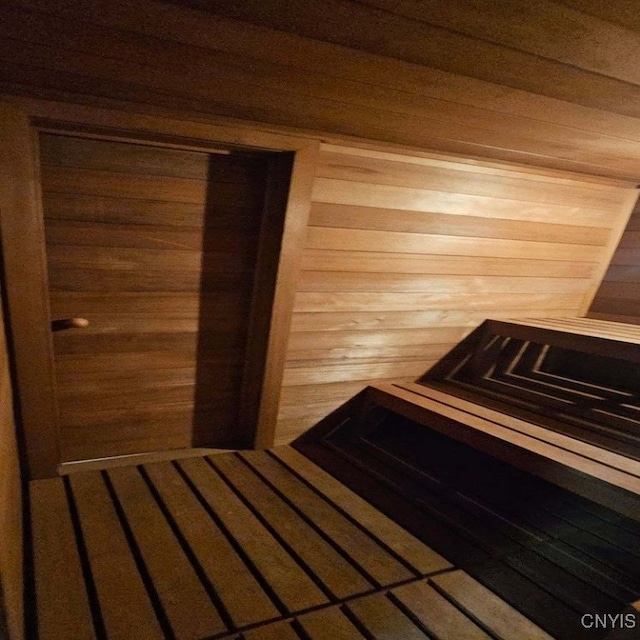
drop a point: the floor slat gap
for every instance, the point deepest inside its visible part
(92, 594)
(375, 584)
(154, 597)
(273, 596)
(283, 543)
(172, 526)
(347, 516)
(447, 596)
(191, 556)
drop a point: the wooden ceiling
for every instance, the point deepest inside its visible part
(554, 84)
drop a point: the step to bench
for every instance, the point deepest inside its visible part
(599, 475)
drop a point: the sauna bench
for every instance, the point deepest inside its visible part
(557, 397)
(603, 476)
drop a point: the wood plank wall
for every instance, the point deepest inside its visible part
(11, 621)
(406, 254)
(618, 298)
(465, 77)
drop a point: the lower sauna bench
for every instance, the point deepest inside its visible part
(253, 546)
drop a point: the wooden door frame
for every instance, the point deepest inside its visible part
(25, 269)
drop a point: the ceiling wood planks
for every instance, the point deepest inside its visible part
(554, 86)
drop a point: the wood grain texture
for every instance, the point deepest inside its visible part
(383, 620)
(404, 253)
(618, 296)
(174, 577)
(11, 559)
(276, 631)
(333, 191)
(408, 263)
(572, 445)
(435, 244)
(292, 585)
(25, 273)
(441, 317)
(484, 606)
(265, 65)
(329, 624)
(291, 251)
(565, 463)
(617, 232)
(421, 557)
(334, 572)
(238, 590)
(381, 219)
(365, 553)
(302, 406)
(63, 606)
(586, 327)
(471, 78)
(428, 35)
(255, 530)
(128, 359)
(438, 616)
(495, 22)
(423, 173)
(124, 603)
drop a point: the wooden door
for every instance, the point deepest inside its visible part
(157, 249)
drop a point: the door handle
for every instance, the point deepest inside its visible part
(68, 323)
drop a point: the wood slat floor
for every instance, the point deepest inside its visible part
(245, 546)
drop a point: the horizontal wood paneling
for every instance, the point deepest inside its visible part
(119, 184)
(303, 341)
(455, 39)
(455, 238)
(351, 217)
(538, 30)
(409, 263)
(381, 168)
(471, 77)
(620, 12)
(618, 297)
(388, 286)
(140, 160)
(429, 200)
(319, 281)
(73, 207)
(11, 574)
(434, 244)
(440, 316)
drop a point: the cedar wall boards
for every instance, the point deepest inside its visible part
(10, 509)
(618, 298)
(406, 251)
(405, 254)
